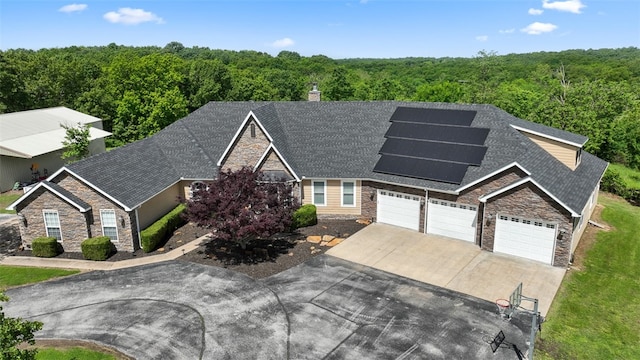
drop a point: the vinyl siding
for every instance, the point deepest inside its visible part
(565, 153)
(158, 206)
(333, 194)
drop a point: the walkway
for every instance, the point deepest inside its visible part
(88, 265)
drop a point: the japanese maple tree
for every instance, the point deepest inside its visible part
(242, 206)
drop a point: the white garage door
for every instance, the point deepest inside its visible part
(526, 238)
(399, 209)
(451, 219)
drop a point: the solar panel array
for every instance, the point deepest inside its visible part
(432, 144)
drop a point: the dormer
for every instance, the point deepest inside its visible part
(567, 152)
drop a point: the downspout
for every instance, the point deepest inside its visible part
(138, 228)
(426, 203)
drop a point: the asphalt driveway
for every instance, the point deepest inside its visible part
(453, 264)
(327, 308)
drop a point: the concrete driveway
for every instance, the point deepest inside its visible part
(327, 308)
(452, 264)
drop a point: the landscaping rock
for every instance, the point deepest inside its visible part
(327, 238)
(314, 239)
(335, 242)
(324, 243)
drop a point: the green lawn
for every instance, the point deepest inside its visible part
(6, 200)
(596, 314)
(72, 353)
(17, 275)
(631, 177)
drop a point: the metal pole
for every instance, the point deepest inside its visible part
(534, 328)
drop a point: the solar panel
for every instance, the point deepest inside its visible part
(421, 168)
(433, 116)
(454, 134)
(461, 153)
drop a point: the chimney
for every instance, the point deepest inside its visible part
(314, 95)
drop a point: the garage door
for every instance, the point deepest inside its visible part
(399, 209)
(451, 219)
(526, 238)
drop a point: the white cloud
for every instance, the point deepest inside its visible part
(507, 31)
(572, 6)
(73, 8)
(283, 43)
(533, 11)
(482, 38)
(538, 28)
(131, 16)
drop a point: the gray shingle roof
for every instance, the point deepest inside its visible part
(325, 140)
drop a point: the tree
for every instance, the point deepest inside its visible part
(76, 142)
(15, 331)
(242, 206)
(444, 91)
(339, 88)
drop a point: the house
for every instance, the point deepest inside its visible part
(31, 143)
(468, 172)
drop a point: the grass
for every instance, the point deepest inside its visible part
(6, 199)
(72, 353)
(19, 275)
(631, 177)
(596, 314)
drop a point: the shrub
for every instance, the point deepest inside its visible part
(305, 216)
(45, 247)
(613, 182)
(158, 231)
(97, 248)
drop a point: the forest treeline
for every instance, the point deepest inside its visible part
(139, 90)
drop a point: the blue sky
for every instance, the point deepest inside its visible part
(335, 28)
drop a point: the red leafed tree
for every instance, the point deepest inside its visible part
(242, 206)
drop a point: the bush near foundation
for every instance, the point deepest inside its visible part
(157, 232)
(45, 247)
(97, 248)
(305, 216)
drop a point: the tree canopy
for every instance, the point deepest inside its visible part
(76, 142)
(14, 332)
(137, 91)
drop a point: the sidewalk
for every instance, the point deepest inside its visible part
(88, 265)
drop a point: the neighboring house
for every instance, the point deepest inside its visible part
(31, 143)
(469, 172)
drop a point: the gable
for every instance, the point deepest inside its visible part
(272, 165)
(247, 147)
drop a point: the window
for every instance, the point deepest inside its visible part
(52, 224)
(253, 130)
(318, 189)
(109, 226)
(348, 193)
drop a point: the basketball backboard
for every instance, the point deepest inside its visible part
(516, 297)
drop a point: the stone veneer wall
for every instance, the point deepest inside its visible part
(73, 223)
(272, 162)
(369, 200)
(127, 235)
(246, 151)
(529, 202)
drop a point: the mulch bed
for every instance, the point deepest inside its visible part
(262, 258)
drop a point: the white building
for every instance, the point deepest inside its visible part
(31, 142)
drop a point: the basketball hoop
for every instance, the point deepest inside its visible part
(503, 305)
